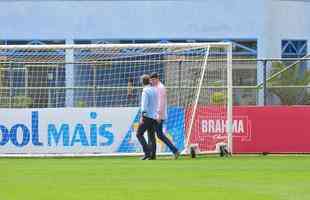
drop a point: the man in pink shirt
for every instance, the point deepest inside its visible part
(162, 113)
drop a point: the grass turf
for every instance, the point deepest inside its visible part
(239, 178)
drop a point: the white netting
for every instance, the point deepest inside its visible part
(107, 77)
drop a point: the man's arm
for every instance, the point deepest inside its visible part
(144, 103)
(161, 102)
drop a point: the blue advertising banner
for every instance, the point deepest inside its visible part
(79, 130)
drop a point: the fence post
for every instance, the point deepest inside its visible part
(95, 86)
(179, 82)
(69, 75)
(265, 81)
(11, 85)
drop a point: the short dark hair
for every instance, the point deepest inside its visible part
(145, 79)
(154, 75)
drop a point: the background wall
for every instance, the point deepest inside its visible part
(130, 19)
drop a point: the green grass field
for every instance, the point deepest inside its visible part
(240, 178)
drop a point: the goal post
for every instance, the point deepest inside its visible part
(84, 99)
(209, 118)
(199, 86)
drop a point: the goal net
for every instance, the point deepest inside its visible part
(84, 99)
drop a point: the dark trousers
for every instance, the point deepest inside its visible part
(149, 125)
(163, 137)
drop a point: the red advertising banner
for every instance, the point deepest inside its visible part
(273, 129)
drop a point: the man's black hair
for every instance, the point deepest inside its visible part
(154, 75)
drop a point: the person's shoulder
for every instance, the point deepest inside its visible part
(148, 89)
(161, 86)
(145, 89)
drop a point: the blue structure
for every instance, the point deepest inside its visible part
(275, 28)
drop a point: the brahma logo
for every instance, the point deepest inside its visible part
(210, 132)
(216, 126)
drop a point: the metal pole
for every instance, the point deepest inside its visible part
(56, 85)
(11, 84)
(179, 83)
(94, 87)
(265, 82)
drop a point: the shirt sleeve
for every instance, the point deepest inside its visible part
(161, 102)
(144, 102)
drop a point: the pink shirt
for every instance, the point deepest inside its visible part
(162, 101)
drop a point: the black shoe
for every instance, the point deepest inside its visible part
(176, 155)
(145, 157)
(152, 158)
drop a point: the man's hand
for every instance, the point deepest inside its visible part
(142, 116)
(158, 120)
(141, 120)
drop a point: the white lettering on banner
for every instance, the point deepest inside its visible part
(64, 130)
(217, 126)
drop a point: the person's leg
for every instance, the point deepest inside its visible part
(152, 139)
(164, 138)
(140, 132)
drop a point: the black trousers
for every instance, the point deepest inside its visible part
(163, 137)
(149, 148)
